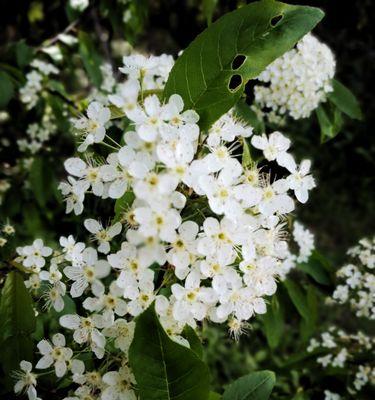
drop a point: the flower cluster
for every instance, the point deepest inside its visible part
(340, 349)
(298, 81)
(199, 229)
(304, 240)
(357, 280)
(34, 82)
(38, 133)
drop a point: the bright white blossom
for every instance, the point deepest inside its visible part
(299, 80)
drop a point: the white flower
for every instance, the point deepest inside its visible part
(227, 128)
(111, 302)
(274, 147)
(58, 354)
(72, 250)
(133, 264)
(55, 292)
(141, 296)
(275, 198)
(89, 174)
(102, 235)
(220, 238)
(86, 331)
(89, 274)
(127, 94)
(237, 299)
(149, 119)
(74, 193)
(300, 181)
(120, 384)
(92, 126)
(138, 66)
(26, 380)
(122, 331)
(173, 112)
(192, 300)
(159, 222)
(183, 247)
(35, 254)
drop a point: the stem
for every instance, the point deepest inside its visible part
(54, 39)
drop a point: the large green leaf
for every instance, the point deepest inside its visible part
(209, 75)
(345, 100)
(165, 370)
(254, 386)
(194, 341)
(17, 321)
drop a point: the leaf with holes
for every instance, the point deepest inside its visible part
(212, 72)
(165, 370)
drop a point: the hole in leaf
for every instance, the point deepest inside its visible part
(238, 61)
(235, 82)
(275, 20)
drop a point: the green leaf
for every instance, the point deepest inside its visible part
(122, 204)
(249, 116)
(298, 298)
(14, 350)
(254, 386)
(273, 323)
(90, 57)
(195, 343)
(24, 53)
(6, 89)
(345, 100)
(16, 311)
(214, 396)
(308, 325)
(204, 75)
(330, 122)
(17, 322)
(165, 370)
(315, 268)
(38, 182)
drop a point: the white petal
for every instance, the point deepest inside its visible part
(44, 347)
(70, 321)
(92, 225)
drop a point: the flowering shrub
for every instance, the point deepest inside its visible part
(181, 205)
(357, 281)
